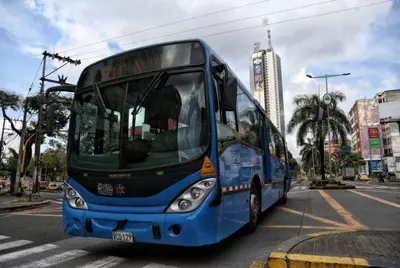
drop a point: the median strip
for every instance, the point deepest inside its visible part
(279, 259)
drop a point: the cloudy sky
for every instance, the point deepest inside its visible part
(311, 36)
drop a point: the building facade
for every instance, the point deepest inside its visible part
(335, 145)
(366, 135)
(266, 83)
(389, 116)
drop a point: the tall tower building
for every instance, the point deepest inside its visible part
(266, 82)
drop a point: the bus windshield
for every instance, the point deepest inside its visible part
(168, 126)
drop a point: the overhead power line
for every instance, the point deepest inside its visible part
(215, 24)
(167, 24)
(248, 28)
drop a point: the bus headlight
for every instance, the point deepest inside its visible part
(73, 198)
(192, 198)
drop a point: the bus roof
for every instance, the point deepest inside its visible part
(202, 42)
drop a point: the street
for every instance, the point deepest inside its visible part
(34, 238)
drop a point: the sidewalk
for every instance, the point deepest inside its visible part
(10, 203)
(367, 248)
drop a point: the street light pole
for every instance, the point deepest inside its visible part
(326, 76)
(329, 130)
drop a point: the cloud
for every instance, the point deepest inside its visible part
(327, 43)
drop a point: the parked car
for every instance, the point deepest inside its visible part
(363, 177)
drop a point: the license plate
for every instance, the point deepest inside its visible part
(123, 236)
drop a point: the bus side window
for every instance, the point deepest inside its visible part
(278, 144)
(226, 120)
(271, 141)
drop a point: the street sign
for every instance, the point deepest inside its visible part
(327, 98)
(374, 143)
(373, 133)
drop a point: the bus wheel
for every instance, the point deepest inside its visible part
(254, 209)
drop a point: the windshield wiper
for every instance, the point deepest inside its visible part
(156, 83)
(100, 100)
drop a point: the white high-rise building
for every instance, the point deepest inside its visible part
(266, 82)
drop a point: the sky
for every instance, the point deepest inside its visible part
(310, 36)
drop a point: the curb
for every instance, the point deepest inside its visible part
(22, 206)
(280, 257)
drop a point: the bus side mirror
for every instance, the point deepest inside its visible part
(230, 94)
(51, 108)
(50, 120)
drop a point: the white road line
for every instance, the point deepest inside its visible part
(57, 202)
(2, 237)
(37, 214)
(26, 252)
(14, 244)
(106, 262)
(156, 265)
(55, 259)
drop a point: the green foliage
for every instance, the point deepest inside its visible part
(307, 152)
(305, 115)
(12, 101)
(54, 161)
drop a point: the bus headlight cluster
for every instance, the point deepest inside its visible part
(73, 198)
(192, 198)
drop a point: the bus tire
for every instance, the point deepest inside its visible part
(254, 209)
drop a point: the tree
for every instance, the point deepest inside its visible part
(306, 113)
(307, 152)
(54, 161)
(294, 166)
(305, 118)
(11, 101)
(352, 160)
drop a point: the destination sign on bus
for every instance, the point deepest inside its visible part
(142, 61)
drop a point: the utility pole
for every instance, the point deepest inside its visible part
(38, 138)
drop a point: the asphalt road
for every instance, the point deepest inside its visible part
(307, 212)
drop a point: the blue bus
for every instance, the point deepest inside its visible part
(166, 145)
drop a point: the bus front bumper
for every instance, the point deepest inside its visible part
(196, 228)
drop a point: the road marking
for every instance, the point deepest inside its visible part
(14, 244)
(377, 199)
(347, 216)
(299, 226)
(258, 264)
(55, 259)
(26, 252)
(39, 215)
(2, 237)
(57, 202)
(156, 265)
(106, 262)
(341, 225)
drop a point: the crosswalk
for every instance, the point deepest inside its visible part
(25, 254)
(298, 188)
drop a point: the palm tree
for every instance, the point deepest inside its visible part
(307, 154)
(306, 113)
(305, 118)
